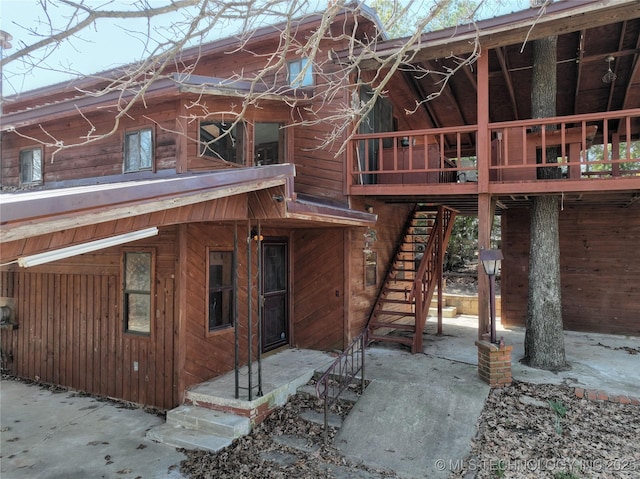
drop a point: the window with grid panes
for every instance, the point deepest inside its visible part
(137, 292)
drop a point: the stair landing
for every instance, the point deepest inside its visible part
(211, 416)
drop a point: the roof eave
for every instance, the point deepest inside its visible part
(525, 25)
(31, 214)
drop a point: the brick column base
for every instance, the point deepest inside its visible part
(494, 364)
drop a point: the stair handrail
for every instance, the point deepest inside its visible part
(432, 254)
(341, 373)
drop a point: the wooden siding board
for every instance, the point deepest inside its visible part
(71, 329)
(599, 268)
(318, 313)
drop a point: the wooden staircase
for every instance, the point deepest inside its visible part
(403, 303)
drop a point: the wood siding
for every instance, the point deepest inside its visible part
(70, 329)
(389, 228)
(100, 158)
(599, 267)
(208, 355)
(319, 289)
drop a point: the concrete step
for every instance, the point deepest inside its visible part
(209, 421)
(318, 418)
(447, 311)
(176, 436)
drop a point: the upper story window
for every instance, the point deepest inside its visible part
(137, 291)
(300, 73)
(221, 290)
(222, 140)
(269, 143)
(31, 166)
(138, 150)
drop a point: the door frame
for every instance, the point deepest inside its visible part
(284, 240)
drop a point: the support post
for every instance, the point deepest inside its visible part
(236, 326)
(484, 197)
(260, 309)
(249, 314)
(484, 242)
(439, 266)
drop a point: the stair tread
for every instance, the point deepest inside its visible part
(394, 313)
(391, 339)
(176, 436)
(209, 420)
(403, 327)
(396, 301)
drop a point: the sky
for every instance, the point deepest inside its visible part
(108, 43)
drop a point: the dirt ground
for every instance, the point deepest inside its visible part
(524, 431)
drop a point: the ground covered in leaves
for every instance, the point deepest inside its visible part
(545, 431)
(284, 446)
(525, 431)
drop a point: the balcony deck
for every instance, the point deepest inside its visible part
(595, 154)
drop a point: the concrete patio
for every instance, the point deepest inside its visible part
(49, 434)
(597, 361)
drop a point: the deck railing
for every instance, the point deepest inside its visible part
(581, 147)
(342, 372)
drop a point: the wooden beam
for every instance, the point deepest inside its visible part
(635, 73)
(529, 25)
(612, 85)
(507, 78)
(579, 60)
(420, 93)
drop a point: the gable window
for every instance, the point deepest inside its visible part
(138, 150)
(137, 292)
(221, 140)
(31, 166)
(300, 73)
(269, 143)
(221, 295)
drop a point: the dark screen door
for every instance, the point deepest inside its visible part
(275, 320)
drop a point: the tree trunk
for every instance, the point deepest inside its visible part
(544, 338)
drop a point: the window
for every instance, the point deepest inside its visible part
(137, 292)
(269, 143)
(138, 150)
(222, 140)
(300, 73)
(31, 166)
(221, 292)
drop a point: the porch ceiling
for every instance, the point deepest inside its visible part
(589, 32)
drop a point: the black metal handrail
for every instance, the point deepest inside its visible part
(341, 373)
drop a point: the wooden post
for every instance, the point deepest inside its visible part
(485, 217)
(483, 144)
(182, 126)
(180, 312)
(440, 272)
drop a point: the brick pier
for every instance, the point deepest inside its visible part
(494, 363)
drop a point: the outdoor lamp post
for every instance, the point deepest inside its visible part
(491, 263)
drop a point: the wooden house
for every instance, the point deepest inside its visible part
(154, 258)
